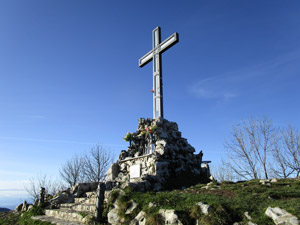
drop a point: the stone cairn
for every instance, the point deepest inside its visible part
(158, 158)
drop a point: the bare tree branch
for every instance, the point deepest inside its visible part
(34, 186)
(291, 145)
(96, 163)
(72, 171)
(249, 149)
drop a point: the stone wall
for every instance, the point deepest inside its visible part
(158, 158)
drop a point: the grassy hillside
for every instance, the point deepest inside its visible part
(229, 201)
(12, 218)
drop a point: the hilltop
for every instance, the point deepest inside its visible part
(226, 203)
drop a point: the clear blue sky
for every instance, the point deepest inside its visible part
(69, 75)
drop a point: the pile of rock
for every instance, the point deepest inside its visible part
(158, 158)
(280, 216)
(23, 207)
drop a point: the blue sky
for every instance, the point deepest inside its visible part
(69, 75)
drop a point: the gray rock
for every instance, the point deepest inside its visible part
(251, 223)
(281, 217)
(63, 197)
(205, 208)
(24, 207)
(113, 217)
(172, 155)
(112, 172)
(246, 214)
(170, 216)
(151, 204)
(79, 189)
(132, 206)
(264, 182)
(140, 219)
(19, 208)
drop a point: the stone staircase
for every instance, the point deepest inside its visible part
(76, 213)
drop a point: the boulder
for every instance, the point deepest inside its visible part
(280, 216)
(113, 217)
(19, 208)
(79, 189)
(170, 216)
(63, 197)
(24, 206)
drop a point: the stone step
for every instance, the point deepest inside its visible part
(66, 214)
(86, 200)
(89, 194)
(80, 207)
(56, 221)
(66, 205)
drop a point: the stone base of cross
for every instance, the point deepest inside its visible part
(155, 55)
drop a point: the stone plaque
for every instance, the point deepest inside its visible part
(135, 171)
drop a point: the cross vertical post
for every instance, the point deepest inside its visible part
(157, 77)
(155, 56)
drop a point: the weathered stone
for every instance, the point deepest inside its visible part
(205, 208)
(172, 157)
(112, 172)
(264, 182)
(246, 214)
(280, 216)
(251, 223)
(132, 206)
(63, 197)
(113, 217)
(161, 142)
(79, 189)
(140, 219)
(24, 207)
(160, 150)
(151, 204)
(19, 208)
(170, 216)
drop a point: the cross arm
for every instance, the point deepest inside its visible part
(145, 59)
(169, 42)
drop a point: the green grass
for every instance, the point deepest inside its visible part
(228, 203)
(12, 218)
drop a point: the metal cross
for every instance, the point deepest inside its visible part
(154, 55)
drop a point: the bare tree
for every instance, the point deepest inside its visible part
(280, 167)
(34, 186)
(291, 146)
(249, 150)
(223, 172)
(96, 163)
(72, 171)
(242, 158)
